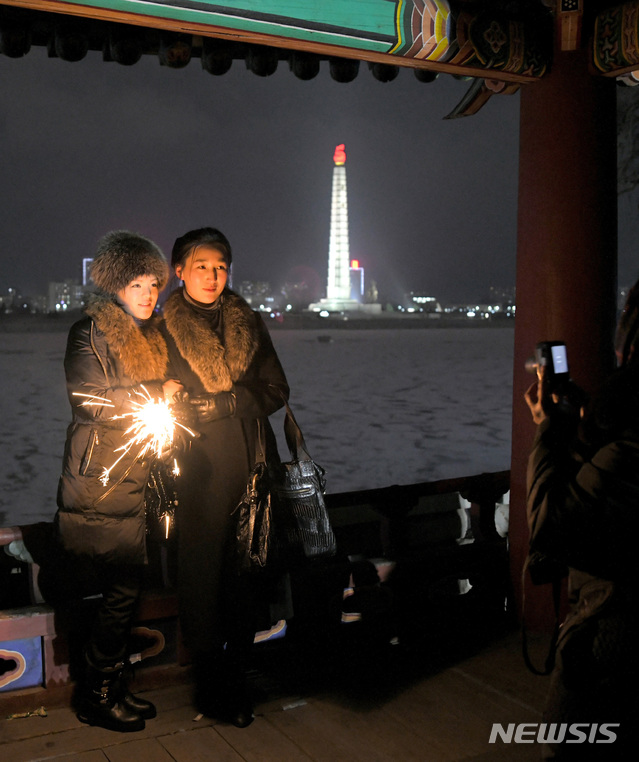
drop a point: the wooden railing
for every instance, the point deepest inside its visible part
(423, 529)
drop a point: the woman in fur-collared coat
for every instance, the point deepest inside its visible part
(114, 355)
(222, 355)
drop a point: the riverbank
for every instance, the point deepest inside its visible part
(17, 322)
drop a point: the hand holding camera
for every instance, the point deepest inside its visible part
(554, 391)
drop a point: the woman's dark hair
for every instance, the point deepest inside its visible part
(210, 237)
(627, 336)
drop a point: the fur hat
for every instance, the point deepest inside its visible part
(211, 237)
(123, 256)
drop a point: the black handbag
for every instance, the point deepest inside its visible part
(281, 519)
(300, 516)
(160, 502)
(253, 528)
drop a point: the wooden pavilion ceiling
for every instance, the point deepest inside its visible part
(500, 44)
(432, 35)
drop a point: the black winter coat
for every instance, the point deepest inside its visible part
(108, 357)
(583, 493)
(236, 356)
(240, 359)
(583, 509)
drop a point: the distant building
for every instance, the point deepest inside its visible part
(479, 311)
(260, 295)
(38, 303)
(86, 271)
(417, 302)
(502, 296)
(10, 300)
(65, 296)
(256, 292)
(357, 281)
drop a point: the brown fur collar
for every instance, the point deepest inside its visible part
(142, 351)
(217, 365)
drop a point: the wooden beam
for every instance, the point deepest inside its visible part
(615, 45)
(235, 34)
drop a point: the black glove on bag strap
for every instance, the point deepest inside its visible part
(294, 437)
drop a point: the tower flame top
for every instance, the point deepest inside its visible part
(339, 157)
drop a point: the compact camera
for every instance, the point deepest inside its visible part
(552, 356)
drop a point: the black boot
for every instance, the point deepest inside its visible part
(100, 700)
(238, 706)
(220, 690)
(207, 676)
(138, 705)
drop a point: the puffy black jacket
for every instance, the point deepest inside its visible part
(108, 358)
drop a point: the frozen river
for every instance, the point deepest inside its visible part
(377, 407)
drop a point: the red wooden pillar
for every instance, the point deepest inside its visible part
(566, 255)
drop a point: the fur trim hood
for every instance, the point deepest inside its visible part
(142, 351)
(218, 365)
(123, 256)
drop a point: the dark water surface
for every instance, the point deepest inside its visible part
(377, 407)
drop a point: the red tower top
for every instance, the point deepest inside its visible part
(339, 157)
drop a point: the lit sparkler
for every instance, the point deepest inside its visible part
(152, 428)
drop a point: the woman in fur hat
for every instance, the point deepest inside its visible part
(221, 352)
(114, 351)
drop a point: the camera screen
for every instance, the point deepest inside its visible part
(559, 358)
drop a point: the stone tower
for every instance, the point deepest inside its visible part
(339, 285)
(338, 288)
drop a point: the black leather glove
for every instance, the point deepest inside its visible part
(186, 418)
(212, 407)
(184, 413)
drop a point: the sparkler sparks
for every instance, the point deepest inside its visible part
(152, 429)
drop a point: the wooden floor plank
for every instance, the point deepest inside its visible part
(330, 736)
(441, 706)
(142, 750)
(63, 718)
(262, 742)
(57, 720)
(86, 756)
(375, 728)
(199, 746)
(413, 737)
(502, 664)
(508, 753)
(62, 733)
(419, 716)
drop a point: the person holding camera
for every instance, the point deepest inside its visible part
(583, 511)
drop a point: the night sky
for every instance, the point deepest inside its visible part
(92, 146)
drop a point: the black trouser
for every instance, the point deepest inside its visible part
(112, 624)
(216, 605)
